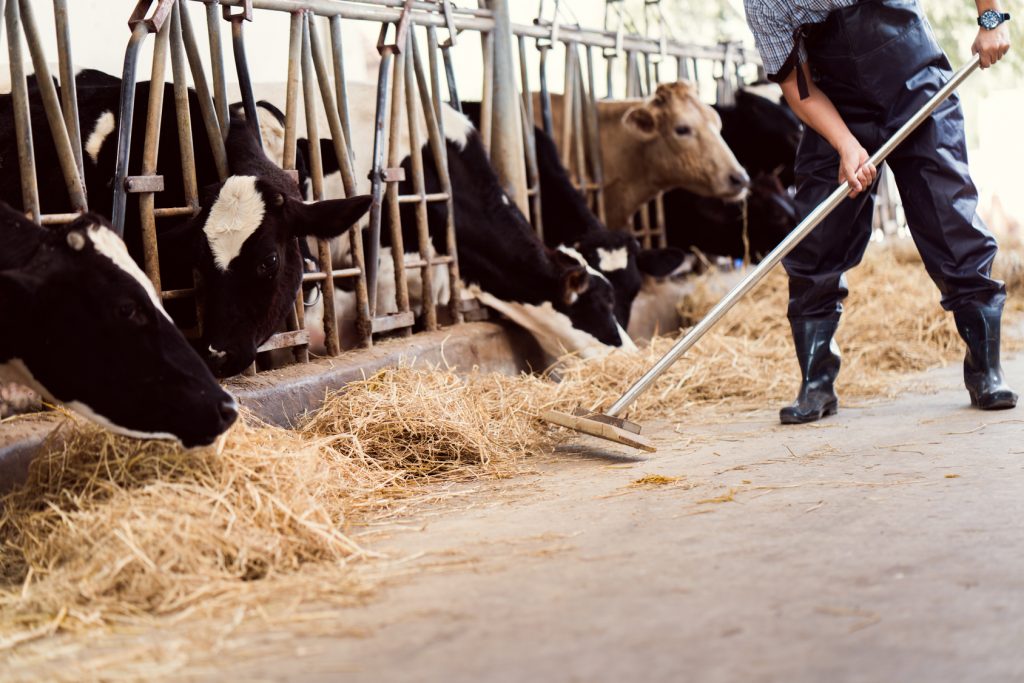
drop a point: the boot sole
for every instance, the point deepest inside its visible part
(1000, 403)
(788, 419)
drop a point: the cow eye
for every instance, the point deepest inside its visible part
(128, 310)
(683, 131)
(268, 266)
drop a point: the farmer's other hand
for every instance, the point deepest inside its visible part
(855, 169)
(992, 45)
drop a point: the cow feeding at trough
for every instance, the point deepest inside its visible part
(82, 325)
(244, 239)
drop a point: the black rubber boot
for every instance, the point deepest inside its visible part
(983, 374)
(818, 356)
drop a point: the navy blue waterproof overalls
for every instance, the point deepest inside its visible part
(878, 61)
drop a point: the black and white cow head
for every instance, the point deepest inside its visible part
(618, 257)
(247, 251)
(83, 326)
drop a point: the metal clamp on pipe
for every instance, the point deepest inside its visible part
(401, 29)
(155, 20)
(553, 24)
(244, 15)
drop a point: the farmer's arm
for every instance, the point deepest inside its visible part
(818, 112)
(991, 45)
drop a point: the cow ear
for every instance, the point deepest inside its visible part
(660, 262)
(575, 281)
(640, 121)
(325, 219)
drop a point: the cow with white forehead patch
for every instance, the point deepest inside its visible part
(244, 241)
(245, 244)
(83, 327)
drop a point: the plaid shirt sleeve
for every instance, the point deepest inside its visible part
(773, 34)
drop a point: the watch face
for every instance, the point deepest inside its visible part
(990, 19)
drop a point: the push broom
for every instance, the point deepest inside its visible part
(610, 425)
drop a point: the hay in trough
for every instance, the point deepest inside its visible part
(109, 528)
(422, 421)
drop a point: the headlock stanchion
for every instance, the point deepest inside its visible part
(623, 431)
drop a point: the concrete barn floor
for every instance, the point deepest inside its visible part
(883, 545)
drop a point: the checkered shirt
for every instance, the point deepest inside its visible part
(774, 24)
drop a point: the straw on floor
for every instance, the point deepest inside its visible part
(110, 530)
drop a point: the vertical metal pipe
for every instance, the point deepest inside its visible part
(487, 98)
(51, 106)
(439, 149)
(659, 219)
(316, 172)
(449, 72)
(545, 93)
(150, 151)
(530, 143)
(244, 80)
(378, 186)
(343, 152)
(292, 90)
(435, 79)
(220, 88)
(568, 105)
(507, 136)
(68, 91)
(419, 188)
(394, 212)
(579, 132)
(183, 114)
(594, 138)
(203, 97)
(340, 84)
(22, 117)
(609, 70)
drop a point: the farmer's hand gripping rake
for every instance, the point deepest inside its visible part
(614, 428)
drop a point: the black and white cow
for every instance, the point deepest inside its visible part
(554, 293)
(569, 222)
(244, 239)
(82, 325)
(568, 305)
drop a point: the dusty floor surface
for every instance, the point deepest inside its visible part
(883, 545)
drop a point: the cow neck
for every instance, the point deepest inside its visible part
(566, 215)
(628, 177)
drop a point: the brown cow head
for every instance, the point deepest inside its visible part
(683, 145)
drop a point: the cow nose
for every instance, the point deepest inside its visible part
(739, 181)
(228, 410)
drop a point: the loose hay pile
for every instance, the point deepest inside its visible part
(109, 530)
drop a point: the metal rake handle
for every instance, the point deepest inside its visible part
(787, 245)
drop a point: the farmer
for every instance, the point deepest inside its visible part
(854, 72)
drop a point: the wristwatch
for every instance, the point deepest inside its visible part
(990, 19)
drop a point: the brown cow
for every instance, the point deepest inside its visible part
(669, 140)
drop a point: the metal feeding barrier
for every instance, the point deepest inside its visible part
(61, 113)
(416, 68)
(635, 62)
(403, 77)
